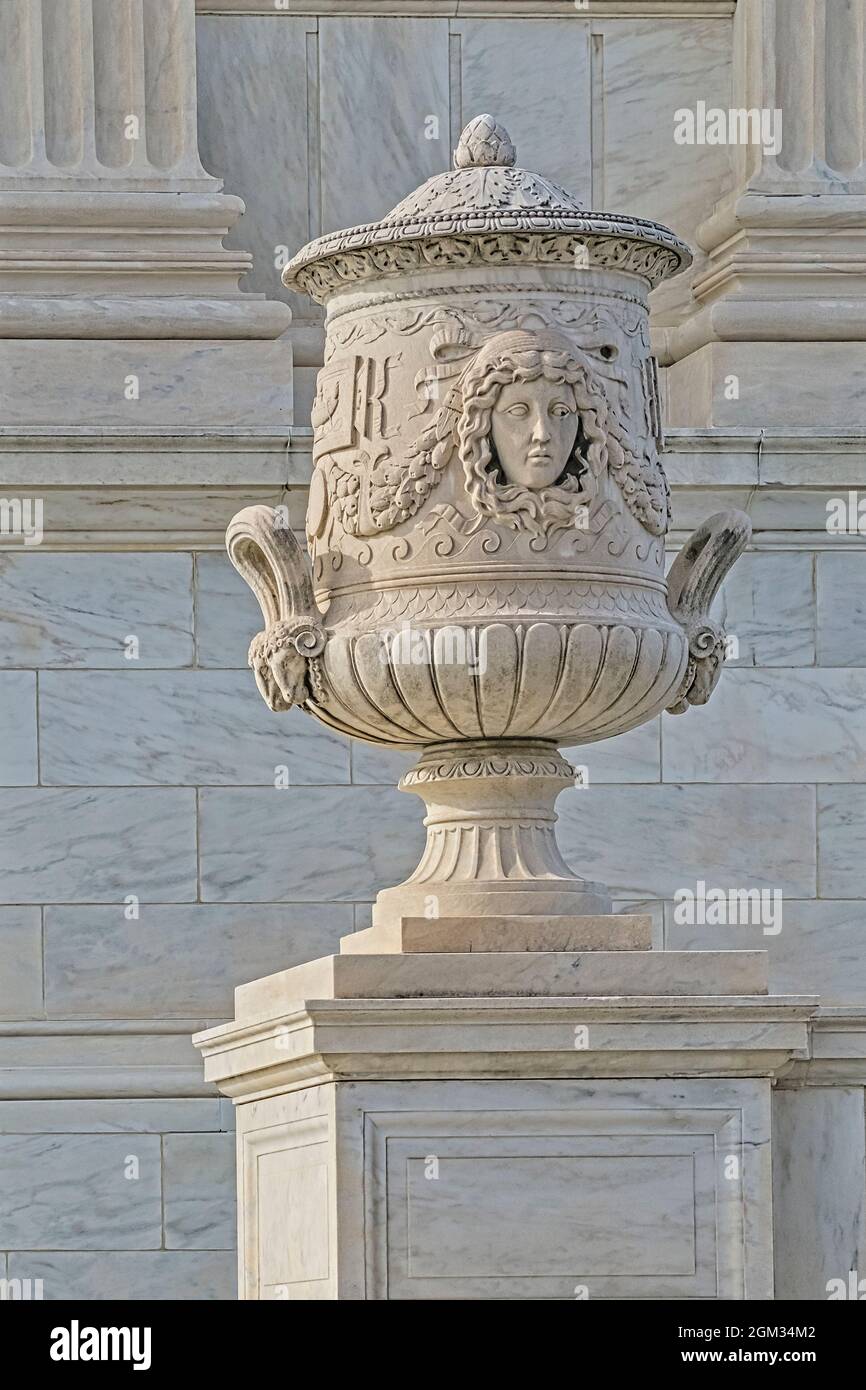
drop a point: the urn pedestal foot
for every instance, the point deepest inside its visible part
(499, 1125)
(491, 845)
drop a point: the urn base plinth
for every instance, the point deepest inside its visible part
(411, 935)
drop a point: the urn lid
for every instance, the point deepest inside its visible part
(486, 209)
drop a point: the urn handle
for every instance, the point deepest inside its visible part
(285, 657)
(693, 582)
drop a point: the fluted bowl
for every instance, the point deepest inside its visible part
(568, 682)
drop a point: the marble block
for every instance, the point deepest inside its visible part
(186, 384)
(80, 610)
(518, 1190)
(126, 1275)
(787, 384)
(506, 974)
(18, 742)
(96, 1191)
(199, 1196)
(623, 932)
(819, 1201)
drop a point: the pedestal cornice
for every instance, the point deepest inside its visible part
(366, 1039)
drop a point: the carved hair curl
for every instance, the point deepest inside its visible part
(601, 442)
(399, 488)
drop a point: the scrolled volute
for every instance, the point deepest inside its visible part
(284, 657)
(693, 582)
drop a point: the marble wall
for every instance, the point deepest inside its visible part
(153, 780)
(148, 861)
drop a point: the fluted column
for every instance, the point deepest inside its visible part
(807, 59)
(99, 93)
(109, 224)
(785, 249)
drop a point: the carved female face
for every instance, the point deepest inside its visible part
(534, 426)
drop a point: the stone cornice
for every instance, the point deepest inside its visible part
(156, 317)
(420, 1038)
(477, 9)
(837, 1050)
(125, 1059)
(89, 479)
(154, 1058)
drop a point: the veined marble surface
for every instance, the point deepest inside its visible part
(256, 126)
(18, 755)
(89, 1194)
(765, 726)
(842, 842)
(841, 589)
(100, 964)
(186, 384)
(768, 603)
(179, 728)
(139, 1274)
(21, 956)
(199, 1177)
(78, 610)
(650, 843)
(500, 63)
(374, 143)
(81, 1116)
(644, 170)
(93, 845)
(818, 1193)
(263, 845)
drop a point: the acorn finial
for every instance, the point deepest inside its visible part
(484, 142)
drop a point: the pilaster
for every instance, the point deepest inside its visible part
(111, 230)
(786, 247)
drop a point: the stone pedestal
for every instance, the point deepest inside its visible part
(518, 1124)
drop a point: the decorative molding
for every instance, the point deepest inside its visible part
(837, 1051)
(105, 1059)
(686, 1037)
(475, 9)
(568, 315)
(605, 241)
(183, 473)
(153, 1059)
(486, 209)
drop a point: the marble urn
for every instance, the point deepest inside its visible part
(487, 518)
